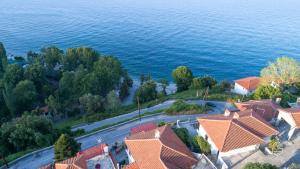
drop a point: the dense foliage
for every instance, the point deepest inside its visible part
(65, 147)
(72, 82)
(146, 92)
(201, 145)
(260, 166)
(184, 136)
(267, 92)
(284, 71)
(183, 77)
(27, 131)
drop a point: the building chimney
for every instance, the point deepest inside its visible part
(157, 134)
(105, 149)
(227, 112)
(236, 116)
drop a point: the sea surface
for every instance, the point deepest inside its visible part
(227, 39)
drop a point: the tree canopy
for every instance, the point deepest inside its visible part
(65, 147)
(284, 71)
(260, 166)
(182, 76)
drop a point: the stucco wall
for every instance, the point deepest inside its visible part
(287, 117)
(240, 89)
(130, 158)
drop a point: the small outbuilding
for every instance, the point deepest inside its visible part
(246, 86)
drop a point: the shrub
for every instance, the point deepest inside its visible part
(267, 92)
(201, 144)
(181, 107)
(162, 123)
(183, 134)
(260, 166)
(274, 144)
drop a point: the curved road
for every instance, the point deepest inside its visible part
(112, 135)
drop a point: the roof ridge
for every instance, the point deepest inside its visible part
(226, 134)
(266, 124)
(177, 151)
(247, 131)
(160, 148)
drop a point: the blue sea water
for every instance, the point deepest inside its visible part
(227, 39)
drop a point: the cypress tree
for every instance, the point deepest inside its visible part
(65, 147)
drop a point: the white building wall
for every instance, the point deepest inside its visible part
(240, 89)
(130, 158)
(287, 117)
(239, 150)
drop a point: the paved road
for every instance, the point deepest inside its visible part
(88, 127)
(113, 135)
(110, 137)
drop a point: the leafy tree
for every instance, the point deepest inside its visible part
(112, 102)
(284, 71)
(13, 75)
(25, 95)
(163, 83)
(77, 56)
(124, 88)
(182, 76)
(3, 59)
(36, 73)
(183, 134)
(51, 56)
(146, 92)
(260, 166)
(201, 144)
(91, 103)
(267, 92)
(53, 104)
(65, 147)
(27, 131)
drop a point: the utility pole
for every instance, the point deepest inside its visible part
(139, 108)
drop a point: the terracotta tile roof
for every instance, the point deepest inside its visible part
(79, 161)
(250, 120)
(265, 108)
(143, 128)
(227, 133)
(165, 151)
(131, 166)
(249, 83)
(295, 113)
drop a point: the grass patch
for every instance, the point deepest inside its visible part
(181, 107)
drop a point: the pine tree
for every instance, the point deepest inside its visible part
(65, 147)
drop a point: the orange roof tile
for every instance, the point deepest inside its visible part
(167, 151)
(250, 120)
(227, 133)
(265, 108)
(79, 161)
(249, 83)
(295, 113)
(131, 166)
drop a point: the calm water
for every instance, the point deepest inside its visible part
(224, 38)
